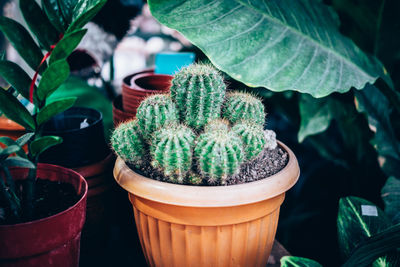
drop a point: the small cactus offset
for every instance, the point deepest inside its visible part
(154, 112)
(198, 91)
(194, 179)
(243, 106)
(253, 138)
(171, 150)
(218, 154)
(217, 125)
(128, 143)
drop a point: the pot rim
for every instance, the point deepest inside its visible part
(135, 87)
(38, 221)
(208, 196)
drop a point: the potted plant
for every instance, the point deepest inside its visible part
(175, 159)
(34, 233)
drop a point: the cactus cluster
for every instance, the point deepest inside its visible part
(197, 134)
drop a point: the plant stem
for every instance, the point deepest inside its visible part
(7, 196)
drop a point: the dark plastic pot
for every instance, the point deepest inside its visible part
(119, 115)
(80, 147)
(52, 241)
(142, 85)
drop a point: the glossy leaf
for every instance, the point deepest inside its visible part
(54, 108)
(41, 144)
(53, 11)
(292, 261)
(22, 41)
(67, 8)
(391, 197)
(16, 77)
(38, 23)
(19, 162)
(24, 139)
(84, 11)
(52, 78)
(10, 142)
(67, 44)
(356, 225)
(277, 44)
(15, 111)
(9, 150)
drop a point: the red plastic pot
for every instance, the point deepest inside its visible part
(119, 115)
(142, 85)
(51, 241)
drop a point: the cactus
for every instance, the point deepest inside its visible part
(243, 106)
(217, 125)
(128, 143)
(194, 179)
(252, 135)
(171, 150)
(198, 91)
(154, 112)
(218, 155)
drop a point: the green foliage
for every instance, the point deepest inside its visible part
(292, 261)
(217, 125)
(66, 45)
(52, 78)
(154, 112)
(280, 45)
(54, 108)
(171, 151)
(243, 106)
(198, 91)
(391, 197)
(218, 155)
(128, 143)
(39, 145)
(252, 135)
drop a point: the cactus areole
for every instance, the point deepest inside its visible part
(197, 134)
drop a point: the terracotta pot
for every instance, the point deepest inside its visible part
(11, 129)
(142, 85)
(51, 241)
(119, 115)
(182, 225)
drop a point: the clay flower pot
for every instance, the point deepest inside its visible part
(142, 85)
(119, 114)
(51, 241)
(182, 225)
(11, 129)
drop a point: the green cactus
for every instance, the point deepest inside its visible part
(252, 135)
(217, 125)
(243, 106)
(172, 150)
(218, 154)
(198, 91)
(154, 112)
(128, 143)
(194, 179)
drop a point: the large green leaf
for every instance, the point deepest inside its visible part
(19, 162)
(10, 142)
(292, 261)
(391, 196)
(41, 144)
(22, 41)
(278, 44)
(54, 108)
(359, 219)
(83, 12)
(377, 108)
(67, 44)
(52, 78)
(67, 8)
(55, 15)
(38, 23)
(15, 111)
(16, 77)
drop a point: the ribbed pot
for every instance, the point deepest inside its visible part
(142, 85)
(182, 225)
(119, 114)
(51, 241)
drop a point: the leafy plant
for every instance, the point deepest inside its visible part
(57, 28)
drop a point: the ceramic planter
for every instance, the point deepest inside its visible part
(140, 86)
(80, 146)
(51, 241)
(182, 225)
(119, 114)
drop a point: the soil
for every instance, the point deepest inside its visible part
(50, 198)
(264, 165)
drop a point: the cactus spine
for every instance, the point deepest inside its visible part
(243, 106)
(128, 143)
(199, 91)
(171, 150)
(154, 112)
(218, 154)
(252, 135)
(217, 125)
